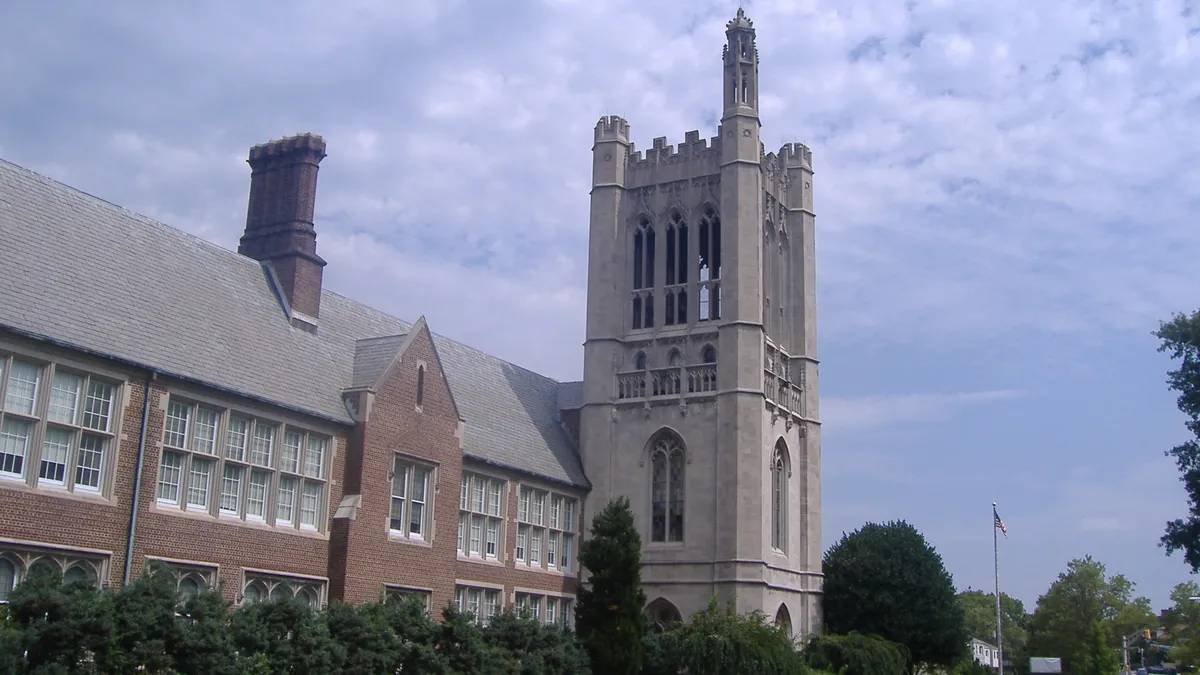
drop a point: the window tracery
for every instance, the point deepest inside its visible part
(667, 486)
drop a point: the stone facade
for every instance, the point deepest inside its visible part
(700, 371)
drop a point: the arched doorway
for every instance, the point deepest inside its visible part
(663, 614)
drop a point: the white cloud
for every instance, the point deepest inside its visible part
(856, 414)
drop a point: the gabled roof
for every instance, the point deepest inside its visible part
(94, 276)
(372, 356)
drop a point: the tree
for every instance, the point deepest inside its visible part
(717, 641)
(886, 580)
(1181, 339)
(1183, 623)
(1084, 606)
(855, 653)
(608, 616)
(979, 609)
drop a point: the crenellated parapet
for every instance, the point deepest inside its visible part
(612, 128)
(692, 148)
(795, 155)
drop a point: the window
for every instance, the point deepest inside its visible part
(677, 271)
(482, 603)
(190, 578)
(551, 610)
(420, 385)
(410, 490)
(709, 355)
(709, 265)
(403, 594)
(266, 586)
(667, 488)
(779, 473)
(545, 529)
(74, 422)
(241, 467)
(16, 563)
(643, 274)
(480, 516)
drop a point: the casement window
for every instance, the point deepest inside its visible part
(264, 586)
(242, 467)
(480, 516)
(545, 529)
(411, 489)
(481, 603)
(57, 425)
(18, 562)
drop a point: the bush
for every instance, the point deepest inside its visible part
(854, 653)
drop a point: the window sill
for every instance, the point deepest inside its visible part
(408, 541)
(490, 562)
(56, 491)
(174, 511)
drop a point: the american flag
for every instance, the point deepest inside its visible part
(999, 523)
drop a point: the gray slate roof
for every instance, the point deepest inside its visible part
(92, 275)
(372, 356)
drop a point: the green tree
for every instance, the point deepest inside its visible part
(608, 617)
(62, 628)
(886, 580)
(716, 641)
(289, 635)
(855, 653)
(1183, 624)
(1082, 606)
(534, 648)
(979, 609)
(1180, 337)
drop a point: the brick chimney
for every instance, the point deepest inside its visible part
(279, 222)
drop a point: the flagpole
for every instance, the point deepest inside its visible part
(996, 554)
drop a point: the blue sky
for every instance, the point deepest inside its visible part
(1005, 194)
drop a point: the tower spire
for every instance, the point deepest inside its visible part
(741, 63)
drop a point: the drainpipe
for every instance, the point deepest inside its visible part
(137, 477)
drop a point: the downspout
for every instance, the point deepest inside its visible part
(137, 477)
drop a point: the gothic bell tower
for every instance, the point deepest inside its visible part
(700, 371)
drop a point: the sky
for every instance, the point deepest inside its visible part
(1005, 196)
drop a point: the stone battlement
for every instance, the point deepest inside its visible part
(692, 146)
(612, 128)
(795, 155)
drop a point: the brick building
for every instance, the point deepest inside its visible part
(162, 398)
(165, 399)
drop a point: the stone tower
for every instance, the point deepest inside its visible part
(700, 371)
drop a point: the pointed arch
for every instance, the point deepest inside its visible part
(783, 620)
(663, 614)
(8, 577)
(639, 361)
(781, 470)
(668, 482)
(708, 354)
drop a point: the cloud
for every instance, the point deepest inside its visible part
(866, 412)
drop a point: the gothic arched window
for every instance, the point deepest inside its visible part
(643, 274)
(667, 489)
(709, 265)
(783, 620)
(420, 384)
(709, 355)
(779, 489)
(639, 361)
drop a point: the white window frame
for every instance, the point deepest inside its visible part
(23, 556)
(406, 476)
(476, 600)
(480, 514)
(222, 442)
(35, 466)
(546, 531)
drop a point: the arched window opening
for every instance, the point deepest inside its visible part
(671, 248)
(255, 592)
(783, 620)
(709, 265)
(44, 566)
(281, 592)
(77, 575)
(673, 358)
(709, 355)
(640, 361)
(779, 488)
(8, 578)
(681, 259)
(669, 311)
(420, 384)
(307, 596)
(663, 615)
(637, 311)
(667, 487)
(639, 245)
(188, 588)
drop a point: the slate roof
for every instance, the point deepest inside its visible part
(372, 356)
(94, 276)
